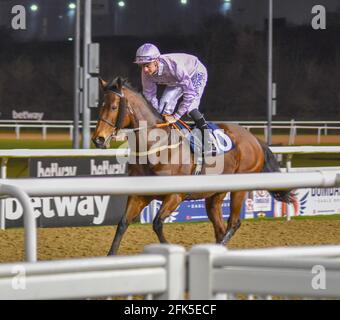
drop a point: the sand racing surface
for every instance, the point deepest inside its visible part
(61, 243)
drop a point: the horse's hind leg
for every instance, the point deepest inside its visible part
(234, 221)
(213, 206)
(135, 204)
(170, 203)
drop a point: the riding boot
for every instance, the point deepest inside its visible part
(202, 125)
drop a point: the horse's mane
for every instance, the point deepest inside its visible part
(125, 83)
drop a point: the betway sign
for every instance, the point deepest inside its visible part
(71, 210)
(93, 167)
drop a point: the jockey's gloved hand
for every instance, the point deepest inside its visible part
(169, 118)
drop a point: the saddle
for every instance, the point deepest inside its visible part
(218, 141)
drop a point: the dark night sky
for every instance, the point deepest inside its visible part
(306, 62)
(53, 20)
(253, 12)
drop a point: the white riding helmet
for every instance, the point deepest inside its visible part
(147, 53)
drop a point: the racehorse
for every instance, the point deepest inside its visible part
(124, 107)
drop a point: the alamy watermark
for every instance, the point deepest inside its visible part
(159, 147)
(19, 19)
(19, 278)
(319, 20)
(319, 280)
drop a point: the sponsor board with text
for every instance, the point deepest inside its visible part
(71, 210)
(258, 204)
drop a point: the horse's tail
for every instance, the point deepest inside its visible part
(272, 165)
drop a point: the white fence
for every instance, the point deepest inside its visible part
(158, 272)
(43, 125)
(84, 186)
(6, 154)
(162, 272)
(213, 272)
(292, 126)
(22, 188)
(218, 273)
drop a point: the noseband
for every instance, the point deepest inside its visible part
(108, 122)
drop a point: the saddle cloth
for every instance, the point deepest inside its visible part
(219, 141)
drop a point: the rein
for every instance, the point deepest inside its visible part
(122, 96)
(158, 125)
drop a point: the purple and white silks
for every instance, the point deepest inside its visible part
(184, 75)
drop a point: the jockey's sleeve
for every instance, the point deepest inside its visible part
(150, 90)
(189, 92)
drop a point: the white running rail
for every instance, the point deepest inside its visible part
(159, 272)
(218, 273)
(291, 125)
(35, 187)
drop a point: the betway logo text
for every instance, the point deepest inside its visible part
(26, 115)
(104, 167)
(51, 207)
(55, 171)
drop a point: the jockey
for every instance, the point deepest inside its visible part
(183, 74)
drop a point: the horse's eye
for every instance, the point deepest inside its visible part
(114, 107)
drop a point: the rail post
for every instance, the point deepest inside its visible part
(2, 201)
(29, 220)
(200, 275)
(175, 266)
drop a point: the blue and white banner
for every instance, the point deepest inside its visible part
(311, 202)
(258, 204)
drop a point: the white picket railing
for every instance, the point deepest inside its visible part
(36, 187)
(218, 273)
(166, 272)
(6, 154)
(159, 272)
(292, 126)
(152, 186)
(36, 153)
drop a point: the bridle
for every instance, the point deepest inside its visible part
(113, 125)
(122, 96)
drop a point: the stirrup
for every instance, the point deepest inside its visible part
(199, 165)
(211, 150)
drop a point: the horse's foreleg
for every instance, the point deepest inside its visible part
(234, 221)
(135, 204)
(213, 206)
(170, 203)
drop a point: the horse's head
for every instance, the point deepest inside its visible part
(113, 113)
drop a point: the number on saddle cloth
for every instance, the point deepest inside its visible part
(218, 138)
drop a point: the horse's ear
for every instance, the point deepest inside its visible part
(119, 83)
(103, 83)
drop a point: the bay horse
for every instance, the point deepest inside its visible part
(124, 107)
